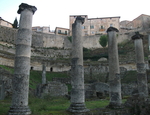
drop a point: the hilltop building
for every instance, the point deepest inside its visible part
(45, 29)
(142, 22)
(61, 31)
(93, 26)
(5, 23)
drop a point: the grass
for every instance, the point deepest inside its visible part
(4, 106)
(11, 70)
(36, 77)
(52, 105)
(48, 105)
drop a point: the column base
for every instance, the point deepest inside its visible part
(19, 111)
(78, 108)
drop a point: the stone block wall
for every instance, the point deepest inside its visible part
(5, 83)
(8, 34)
(52, 89)
(47, 40)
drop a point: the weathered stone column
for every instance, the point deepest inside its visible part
(44, 74)
(149, 41)
(2, 92)
(114, 71)
(141, 66)
(77, 69)
(20, 79)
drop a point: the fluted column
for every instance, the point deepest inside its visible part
(77, 69)
(20, 81)
(114, 71)
(141, 66)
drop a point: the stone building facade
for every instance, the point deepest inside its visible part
(61, 31)
(93, 26)
(5, 23)
(142, 22)
(44, 29)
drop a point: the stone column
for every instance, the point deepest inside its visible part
(141, 66)
(114, 71)
(20, 81)
(2, 92)
(44, 74)
(77, 69)
(149, 41)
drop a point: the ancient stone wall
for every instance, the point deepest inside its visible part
(47, 40)
(8, 34)
(51, 89)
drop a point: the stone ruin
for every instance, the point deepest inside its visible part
(5, 83)
(114, 71)
(51, 89)
(2, 93)
(96, 90)
(20, 81)
(77, 69)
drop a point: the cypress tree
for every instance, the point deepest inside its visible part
(15, 24)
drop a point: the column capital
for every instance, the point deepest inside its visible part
(24, 6)
(137, 36)
(79, 18)
(112, 29)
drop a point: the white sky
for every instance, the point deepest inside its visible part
(55, 13)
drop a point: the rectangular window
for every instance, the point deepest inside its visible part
(85, 33)
(111, 25)
(92, 32)
(91, 27)
(59, 31)
(102, 27)
(83, 27)
(65, 32)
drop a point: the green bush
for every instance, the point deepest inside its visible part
(103, 40)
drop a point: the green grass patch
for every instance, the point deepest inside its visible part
(52, 105)
(36, 77)
(48, 105)
(4, 106)
(11, 70)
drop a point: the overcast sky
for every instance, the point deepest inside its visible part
(55, 13)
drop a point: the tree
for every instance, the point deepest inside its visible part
(103, 40)
(15, 24)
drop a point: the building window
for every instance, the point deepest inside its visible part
(92, 32)
(65, 32)
(111, 25)
(102, 27)
(83, 27)
(91, 27)
(85, 33)
(59, 31)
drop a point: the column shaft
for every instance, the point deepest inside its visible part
(114, 72)
(44, 74)
(20, 81)
(141, 66)
(77, 69)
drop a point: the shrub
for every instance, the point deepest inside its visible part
(103, 40)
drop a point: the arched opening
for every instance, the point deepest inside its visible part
(31, 68)
(51, 69)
